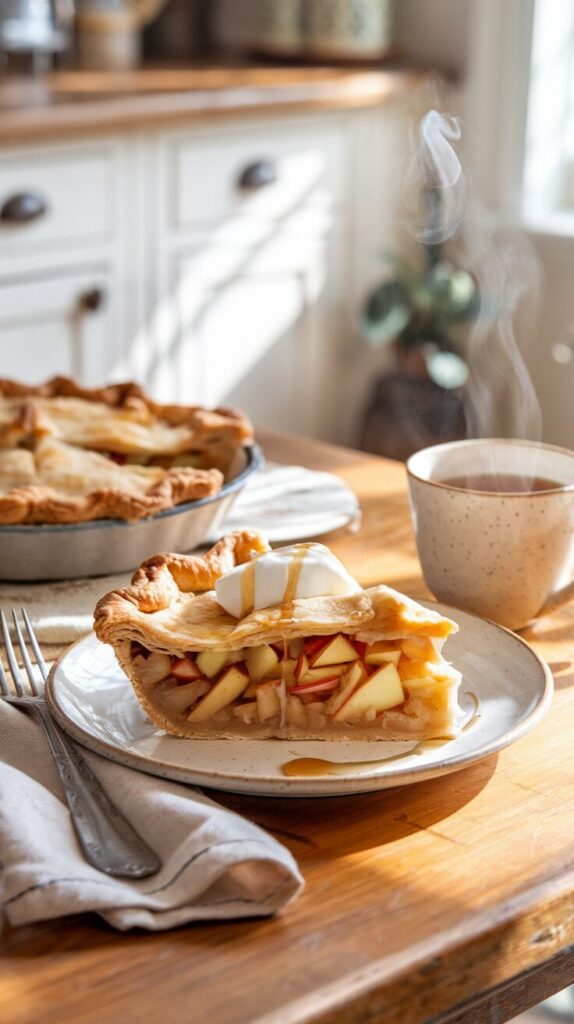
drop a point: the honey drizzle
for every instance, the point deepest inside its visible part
(315, 767)
(295, 567)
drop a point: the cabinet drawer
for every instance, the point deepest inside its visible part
(57, 325)
(63, 199)
(265, 174)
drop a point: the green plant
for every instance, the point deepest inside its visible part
(423, 308)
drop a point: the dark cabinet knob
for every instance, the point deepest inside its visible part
(92, 300)
(23, 208)
(258, 175)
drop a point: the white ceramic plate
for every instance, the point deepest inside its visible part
(289, 503)
(94, 702)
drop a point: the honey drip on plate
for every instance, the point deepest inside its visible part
(247, 589)
(475, 711)
(314, 767)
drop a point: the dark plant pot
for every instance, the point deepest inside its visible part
(408, 412)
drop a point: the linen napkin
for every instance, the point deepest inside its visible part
(216, 865)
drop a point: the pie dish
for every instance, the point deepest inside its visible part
(71, 455)
(286, 646)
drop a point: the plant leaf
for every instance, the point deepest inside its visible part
(447, 369)
(386, 313)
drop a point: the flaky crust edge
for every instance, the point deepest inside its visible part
(127, 394)
(161, 578)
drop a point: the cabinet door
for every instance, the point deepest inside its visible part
(58, 325)
(249, 326)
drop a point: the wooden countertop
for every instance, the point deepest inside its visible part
(81, 101)
(450, 900)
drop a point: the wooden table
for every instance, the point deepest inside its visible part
(451, 900)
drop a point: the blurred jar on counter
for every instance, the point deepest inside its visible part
(109, 32)
(326, 30)
(348, 30)
(279, 30)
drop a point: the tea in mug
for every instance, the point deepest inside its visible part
(502, 483)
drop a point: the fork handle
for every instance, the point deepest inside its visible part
(107, 839)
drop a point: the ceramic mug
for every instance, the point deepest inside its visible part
(506, 554)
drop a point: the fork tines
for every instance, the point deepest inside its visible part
(17, 677)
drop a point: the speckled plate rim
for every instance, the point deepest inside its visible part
(354, 782)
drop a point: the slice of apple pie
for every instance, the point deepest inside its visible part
(248, 642)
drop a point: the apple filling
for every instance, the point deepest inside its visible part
(309, 683)
(191, 459)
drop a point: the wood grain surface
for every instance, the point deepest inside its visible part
(450, 900)
(80, 102)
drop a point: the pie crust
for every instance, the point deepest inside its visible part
(170, 615)
(71, 454)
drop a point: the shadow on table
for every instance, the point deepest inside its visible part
(343, 825)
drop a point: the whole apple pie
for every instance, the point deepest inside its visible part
(252, 643)
(69, 454)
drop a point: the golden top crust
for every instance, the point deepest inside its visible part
(171, 608)
(60, 484)
(58, 442)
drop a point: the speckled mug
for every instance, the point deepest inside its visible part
(506, 556)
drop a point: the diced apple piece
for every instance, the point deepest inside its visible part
(295, 647)
(316, 713)
(419, 648)
(338, 650)
(302, 666)
(234, 656)
(382, 652)
(261, 661)
(196, 460)
(152, 669)
(313, 675)
(295, 713)
(287, 668)
(185, 669)
(229, 686)
(354, 675)
(360, 647)
(413, 669)
(420, 684)
(313, 644)
(382, 690)
(210, 663)
(268, 703)
(319, 686)
(178, 699)
(246, 712)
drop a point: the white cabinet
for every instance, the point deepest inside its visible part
(66, 273)
(224, 256)
(250, 223)
(264, 172)
(58, 325)
(70, 196)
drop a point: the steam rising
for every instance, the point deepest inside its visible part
(438, 163)
(500, 392)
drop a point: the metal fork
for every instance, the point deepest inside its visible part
(107, 839)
